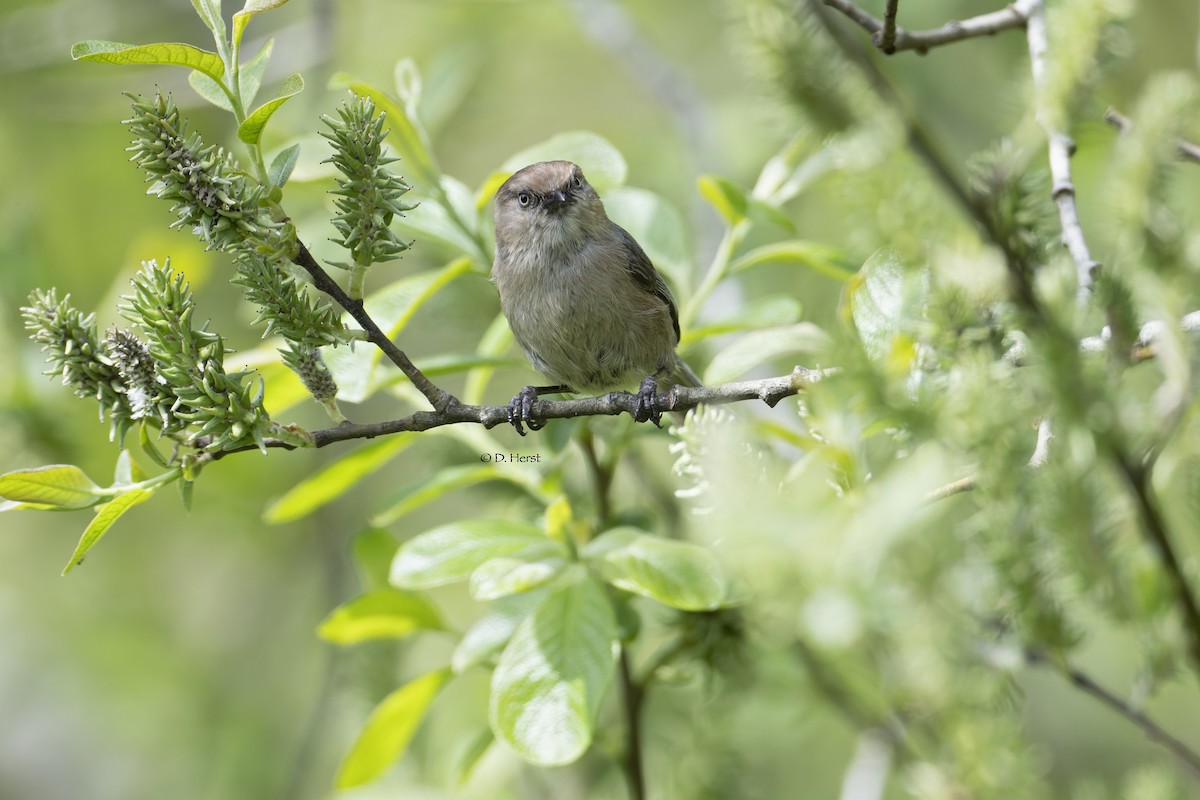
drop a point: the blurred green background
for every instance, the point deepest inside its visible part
(180, 660)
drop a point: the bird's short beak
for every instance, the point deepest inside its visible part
(554, 200)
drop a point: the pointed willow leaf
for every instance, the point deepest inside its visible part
(472, 754)
(764, 313)
(491, 632)
(209, 89)
(172, 53)
(242, 18)
(677, 574)
(336, 479)
(282, 165)
(418, 493)
(374, 550)
(251, 74)
(127, 471)
(448, 220)
(251, 130)
(886, 302)
(758, 347)
(389, 730)
(820, 258)
(59, 485)
(381, 614)
(725, 196)
(210, 15)
(452, 552)
(106, 515)
(518, 573)
(550, 679)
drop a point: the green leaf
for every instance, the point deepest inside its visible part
(416, 494)
(657, 227)
(432, 222)
(374, 550)
(210, 15)
(282, 165)
(452, 552)
(251, 130)
(211, 90)
(471, 755)
(725, 196)
(242, 18)
(451, 363)
(550, 679)
(758, 347)
(58, 485)
(106, 515)
(491, 632)
(381, 614)
(173, 53)
(762, 313)
(335, 479)
(149, 449)
(127, 470)
(391, 308)
(886, 302)
(677, 574)
(405, 133)
(251, 74)
(820, 258)
(501, 577)
(602, 163)
(13, 505)
(389, 730)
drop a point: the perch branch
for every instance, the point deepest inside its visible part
(892, 39)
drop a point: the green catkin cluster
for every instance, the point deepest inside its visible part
(369, 197)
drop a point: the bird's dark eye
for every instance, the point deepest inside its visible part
(524, 198)
(577, 182)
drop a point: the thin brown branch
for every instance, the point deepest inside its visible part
(1090, 687)
(632, 696)
(441, 400)
(890, 38)
(1187, 151)
(1061, 148)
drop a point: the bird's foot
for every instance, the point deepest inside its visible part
(646, 407)
(520, 411)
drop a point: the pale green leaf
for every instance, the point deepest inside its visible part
(251, 130)
(517, 573)
(552, 676)
(373, 551)
(211, 90)
(380, 614)
(389, 730)
(657, 227)
(452, 552)
(251, 73)
(886, 302)
(761, 346)
(424, 490)
(242, 18)
(450, 227)
(491, 632)
(725, 196)
(59, 485)
(210, 15)
(677, 574)
(821, 258)
(172, 53)
(763, 313)
(602, 163)
(336, 479)
(282, 165)
(472, 754)
(106, 515)
(127, 470)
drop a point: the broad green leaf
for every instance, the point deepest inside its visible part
(391, 308)
(149, 449)
(389, 730)
(59, 485)
(451, 363)
(210, 90)
(173, 53)
(491, 632)
(251, 130)
(758, 347)
(13, 505)
(677, 574)
(210, 15)
(127, 470)
(251, 73)
(886, 302)
(602, 163)
(452, 552)
(764, 313)
(725, 196)
(657, 227)
(282, 165)
(432, 222)
(242, 18)
(405, 134)
(380, 614)
(374, 550)
(106, 515)
(471, 755)
(552, 676)
(336, 479)
(501, 577)
(416, 494)
(820, 258)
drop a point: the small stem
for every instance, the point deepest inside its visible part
(632, 696)
(887, 36)
(732, 239)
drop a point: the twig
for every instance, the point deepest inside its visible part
(1012, 16)
(1188, 151)
(632, 696)
(1061, 148)
(441, 400)
(1087, 685)
(1041, 452)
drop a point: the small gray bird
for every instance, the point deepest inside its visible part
(581, 296)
